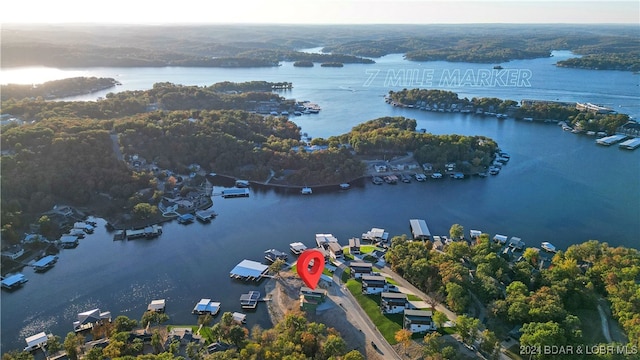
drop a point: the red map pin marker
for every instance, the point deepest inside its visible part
(310, 276)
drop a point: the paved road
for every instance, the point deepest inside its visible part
(358, 317)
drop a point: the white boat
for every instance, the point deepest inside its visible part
(306, 191)
(345, 186)
(548, 247)
(242, 183)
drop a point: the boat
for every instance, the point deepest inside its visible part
(345, 186)
(272, 255)
(306, 191)
(377, 180)
(436, 175)
(242, 183)
(498, 67)
(548, 247)
(297, 248)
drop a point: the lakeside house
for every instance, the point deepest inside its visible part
(310, 299)
(373, 284)
(354, 245)
(360, 269)
(89, 319)
(418, 321)
(393, 303)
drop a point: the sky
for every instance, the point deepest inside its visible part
(319, 11)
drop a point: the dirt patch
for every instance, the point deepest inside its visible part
(284, 293)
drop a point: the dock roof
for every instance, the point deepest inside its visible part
(37, 339)
(419, 229)
(13, 279)
(45, 261)
(206, 305)
(249, 268)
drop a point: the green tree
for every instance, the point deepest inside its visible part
(456, 232)
(277, 266)
(490, 344)
(144, 210)
(531, 255)
(53, 344)
(334, 346)
(432, 345)
(205, 320)
(237, 335)
(156, 342)
(468, 328)
(71, 344)
(123, 323)
(457, 297)
(17, 355)
(353, 355)
(96, 353)
(542, 334)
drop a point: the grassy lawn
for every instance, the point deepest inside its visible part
(412, 297)
(387, 324)
(590, 326)
(366, 249)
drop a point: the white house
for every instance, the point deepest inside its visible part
(393, 303)
(359, 269)
(373, 284)
(418, 321)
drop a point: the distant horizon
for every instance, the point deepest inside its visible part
(323, 12)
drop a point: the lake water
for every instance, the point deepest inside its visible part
(558, 187)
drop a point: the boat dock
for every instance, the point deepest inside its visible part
(272, 255)
(251, 299)
(610, 140)
(206, 306)
(249, 270)
(186, 219)
(206, 215)
(235, 192)
(297, 248)
(630, 144)
(147, 232)
(14, 281)
(45, 263)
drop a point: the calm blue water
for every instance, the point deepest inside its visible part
(558, 187)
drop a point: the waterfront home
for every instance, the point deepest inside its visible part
(418, 321)
(335, 250)
(13, 282)
(13, 252)
(89, 319)
(310, 299)
(206, 306)
(157, 306)
(45, 263)
(354, 245)
(373, 284)
(359, 269)
(393, 303)
(182, 335)
(376, 235)
(37, 341)
(419, 229)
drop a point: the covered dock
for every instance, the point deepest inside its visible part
(610, 140)
(14, 281)
(235, 192)
(630, 144)
(45, 263)
(36, 341)
(250, 300)
(248, 270)
(206, 306)
(297, 247)
(157, 305)
(147, 232)
(419, 229)
(206, 215)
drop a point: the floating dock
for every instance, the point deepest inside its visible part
(249, 270)
(630, 144)
(250, 300)
(235, 192)
(147, 232)
(45, 263)
(206, 215)
(206, 306)
(610, 140)
(14, 281)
